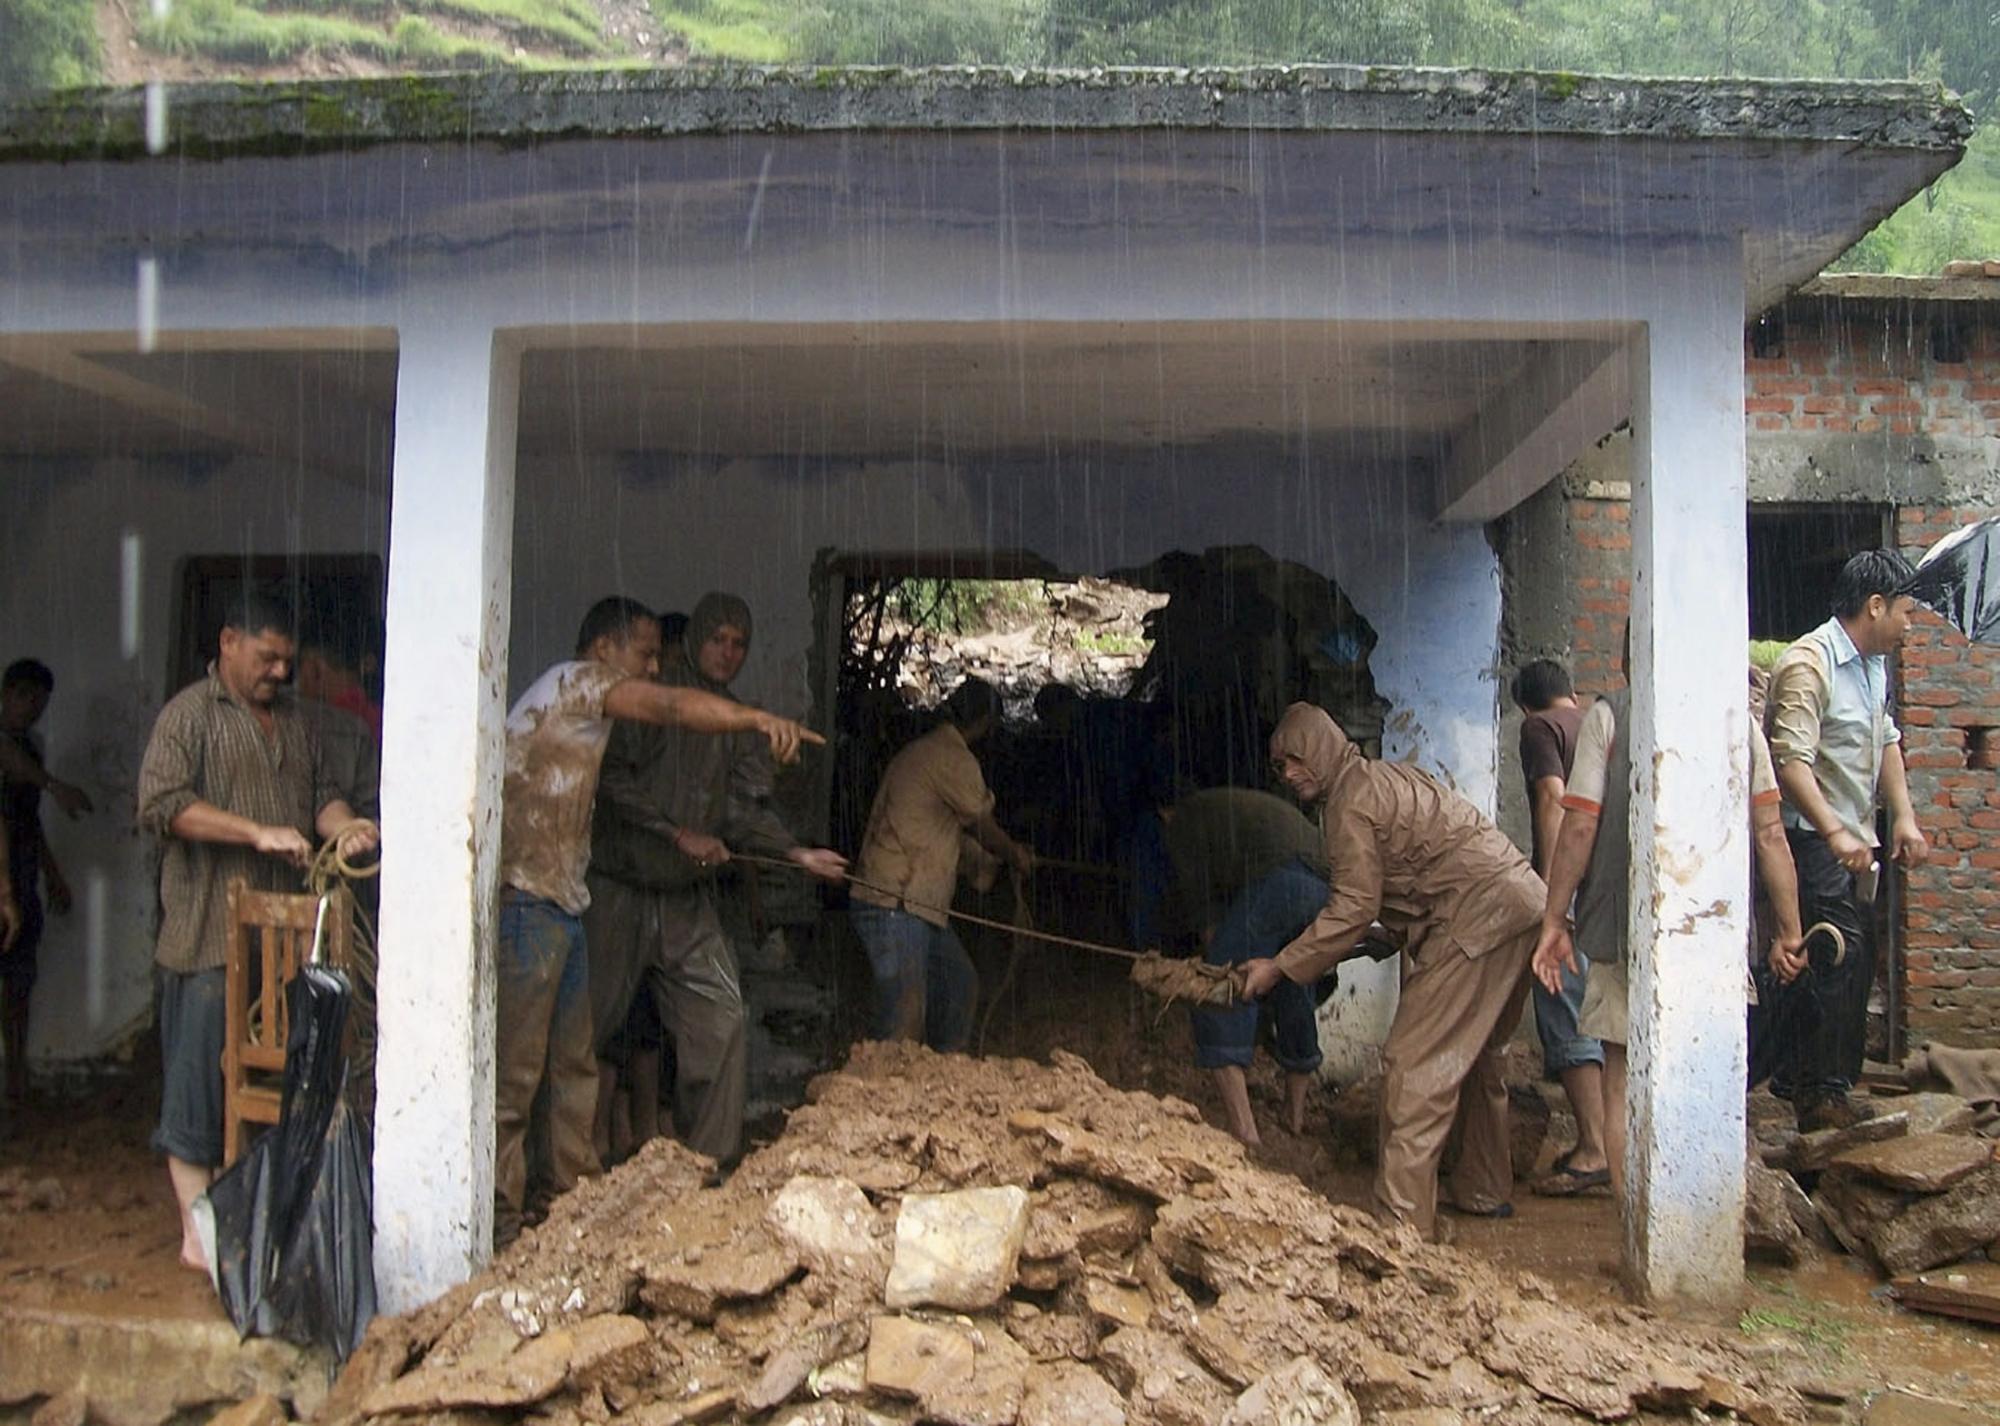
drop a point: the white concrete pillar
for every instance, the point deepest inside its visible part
(450, 557)
(1683, 1213)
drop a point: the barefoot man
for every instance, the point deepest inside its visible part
(234, 785)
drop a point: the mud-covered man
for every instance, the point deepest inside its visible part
(670, 805)
(1404, 850)
(556, 735)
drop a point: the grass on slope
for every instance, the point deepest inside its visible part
(1956, 217)
(274, 31)
(753, 31)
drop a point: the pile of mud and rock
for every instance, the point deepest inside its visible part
(1002, 1243)
(1913, 1188)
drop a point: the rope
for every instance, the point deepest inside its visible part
(904, 903)
(329, 876)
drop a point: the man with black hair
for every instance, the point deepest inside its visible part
(30, 863)
(932, 795)
(670, 806)
(1838, 754)
(234, 785)
(1543, 692)
(556, 735)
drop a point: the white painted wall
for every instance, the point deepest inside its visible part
(62, 533)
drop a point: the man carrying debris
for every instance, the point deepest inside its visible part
(670, 805)
(1249, 875)
(1595, 872)
(1837, 752)
(234, 785)
(932, 795)
(1403, 849)
(556, 735)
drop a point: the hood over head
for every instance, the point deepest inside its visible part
(1308, 733)
(711, 612)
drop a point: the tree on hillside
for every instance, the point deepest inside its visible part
(46, 44)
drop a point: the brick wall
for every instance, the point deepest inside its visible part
(1951, 915)
(1856, 401)
(1929, 374)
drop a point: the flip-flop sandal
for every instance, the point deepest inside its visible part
(1567, 1182)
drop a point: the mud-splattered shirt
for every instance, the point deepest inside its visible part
(555, 744)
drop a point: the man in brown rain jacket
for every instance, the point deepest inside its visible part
(1467, 906)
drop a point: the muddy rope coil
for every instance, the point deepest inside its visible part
(331, 877)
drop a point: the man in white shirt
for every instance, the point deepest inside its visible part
(1837, 753)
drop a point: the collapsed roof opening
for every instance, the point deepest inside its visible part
(1177, 671)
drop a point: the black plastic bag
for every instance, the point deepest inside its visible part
(1960, 579)
(294, 1241)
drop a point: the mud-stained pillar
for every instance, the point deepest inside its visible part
(1683, 1214)
(450, 558)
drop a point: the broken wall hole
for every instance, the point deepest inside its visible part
(1191, 660)
(1982, 748)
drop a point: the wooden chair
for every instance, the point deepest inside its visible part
(270, 937)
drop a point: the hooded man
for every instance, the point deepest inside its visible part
(669, 808)
(1404, 850)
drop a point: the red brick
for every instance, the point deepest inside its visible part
(1780, 386)
(1768, 405)
(1770, 423)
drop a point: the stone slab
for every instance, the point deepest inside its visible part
(538, 1369)
(1296, 1394)
(1942, 1227)
(1931, 1112)
(1918, 1163)
(1069, 1394)
(139, 1371)
(1813, 1152)
(957, 1249)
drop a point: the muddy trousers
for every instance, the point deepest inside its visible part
(542, 1036)
(671, 945)
(1441, 1065)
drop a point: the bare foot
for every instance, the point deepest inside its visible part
(191, 1256)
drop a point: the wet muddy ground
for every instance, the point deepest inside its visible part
(86, 1220)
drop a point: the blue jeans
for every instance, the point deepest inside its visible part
(1555, 1022)
(541, 1035)
(1265, 915)
(925, 986)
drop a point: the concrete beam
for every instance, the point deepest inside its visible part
(1567, 396)
(253, 421)
(450, 587)
(1690, 827)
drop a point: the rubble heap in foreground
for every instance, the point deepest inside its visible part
(1001, 1243)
